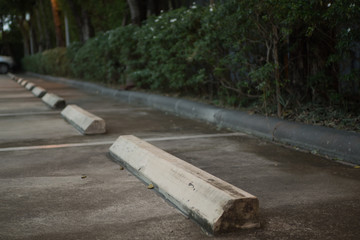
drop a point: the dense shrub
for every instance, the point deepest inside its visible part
(278, 53)
(165, 46)
(53, 61)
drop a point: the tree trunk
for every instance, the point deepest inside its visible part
(134, 11)
(87, 29)
(40, 30)
(152, 8)
(67, 34)
(58, 33)
(125, 19)
(75, 12)
(46, 34)
(24, 32)
(2, 33)
(31, 38)
(277, 71)
(6, 49)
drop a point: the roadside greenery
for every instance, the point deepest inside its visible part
(273, 55)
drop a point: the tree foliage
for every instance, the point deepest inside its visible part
(279, 53)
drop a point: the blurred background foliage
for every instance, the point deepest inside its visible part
(276, 56)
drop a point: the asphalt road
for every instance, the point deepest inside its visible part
(58, 184)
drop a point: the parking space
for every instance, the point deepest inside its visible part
(58, 184)
(80, 194)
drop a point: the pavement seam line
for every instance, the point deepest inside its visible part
(66, 145)
(53, 146)
(28, 113)
(57, 112)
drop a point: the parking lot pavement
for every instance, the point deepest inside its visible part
(58, 184)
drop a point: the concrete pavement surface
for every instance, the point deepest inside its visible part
(58, 184)
(329, 142)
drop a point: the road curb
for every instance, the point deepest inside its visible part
(85, 122)
(332, 143)
(213, 203)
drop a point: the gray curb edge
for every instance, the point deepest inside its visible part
(332, 143)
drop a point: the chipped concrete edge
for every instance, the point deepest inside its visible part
(324, 141)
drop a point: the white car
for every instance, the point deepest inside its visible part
(6, 63)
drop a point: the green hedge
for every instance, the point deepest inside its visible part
(224, 53)
(53, 62)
